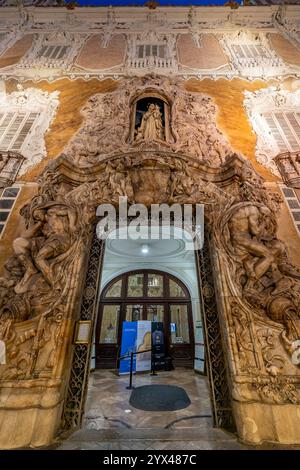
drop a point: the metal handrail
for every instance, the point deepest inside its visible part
(134, 352)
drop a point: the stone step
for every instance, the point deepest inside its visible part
(187, 434)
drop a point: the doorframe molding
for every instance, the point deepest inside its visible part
(74, 405)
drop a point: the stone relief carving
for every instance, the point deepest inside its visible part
(58, 221)
(10, 164)
(268, 100)
(266, 287)
(41, 277)
(107, 124)
(288, 164)
(32, 100)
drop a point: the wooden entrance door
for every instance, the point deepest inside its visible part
(145, 295)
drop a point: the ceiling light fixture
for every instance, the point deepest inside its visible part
(145, 249)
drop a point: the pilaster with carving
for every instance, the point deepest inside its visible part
(258, 288)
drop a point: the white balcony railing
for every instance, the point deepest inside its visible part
(151, 62)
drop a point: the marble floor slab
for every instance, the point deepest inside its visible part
(111, 423)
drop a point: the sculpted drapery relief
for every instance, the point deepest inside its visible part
(261, 289)
(107, 124)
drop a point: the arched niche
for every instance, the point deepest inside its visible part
(140, 106)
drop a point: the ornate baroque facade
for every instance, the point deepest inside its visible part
(224, 85)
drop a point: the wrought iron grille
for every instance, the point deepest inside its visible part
(79, 374)
(216, 364)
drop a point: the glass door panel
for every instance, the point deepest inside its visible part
(109, 325)
(175, 289)
(155, 285)
(134, 312)
(155, 313)
(135, 285)
(179, 324)
(115, 290)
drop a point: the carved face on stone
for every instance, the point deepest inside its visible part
(150, 185)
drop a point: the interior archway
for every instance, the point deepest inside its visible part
(145, 295)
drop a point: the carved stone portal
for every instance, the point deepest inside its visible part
(258, 288)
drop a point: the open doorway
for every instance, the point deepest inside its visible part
(145, 295)
(150, 279)
(104, 399)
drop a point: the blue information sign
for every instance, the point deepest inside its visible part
(129, 337)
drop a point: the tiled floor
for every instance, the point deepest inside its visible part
(108, 401)
(111, 423)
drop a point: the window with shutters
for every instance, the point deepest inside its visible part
(8, 197)
(250, 51)
(293, 204)
(15, 127)
(284, 128)
(53, 52)
(151, 50)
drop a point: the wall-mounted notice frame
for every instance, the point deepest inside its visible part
(83, 332)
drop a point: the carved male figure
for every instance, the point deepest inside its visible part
(253, 239)
(22, 247)
(56, 223)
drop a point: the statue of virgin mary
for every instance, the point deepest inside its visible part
(151, 127)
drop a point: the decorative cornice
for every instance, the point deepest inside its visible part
(32, 100)
(80, 23)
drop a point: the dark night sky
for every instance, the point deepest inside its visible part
(142, 2)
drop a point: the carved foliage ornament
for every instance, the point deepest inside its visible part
(36, 293)
(106, 128)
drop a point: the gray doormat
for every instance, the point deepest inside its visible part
(159, 398)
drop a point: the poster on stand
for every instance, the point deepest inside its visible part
(128, 345)
(143, 343)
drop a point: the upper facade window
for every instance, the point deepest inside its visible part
(8, 198)
(151, 50)
(275, 118)
(8, 38)
(56, 49)
(284, 129)
(250, 51)
(251, 54)
(25, 115)
(53, 52)
(15, 128)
